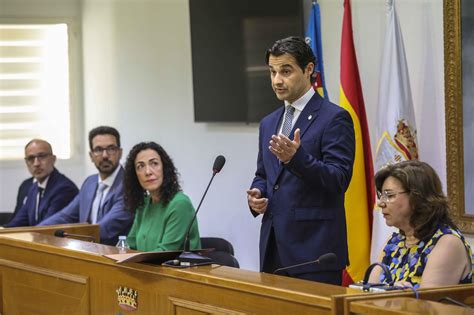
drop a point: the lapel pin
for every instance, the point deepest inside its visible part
(310, 117)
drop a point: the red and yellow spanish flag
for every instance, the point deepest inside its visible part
(359, 198)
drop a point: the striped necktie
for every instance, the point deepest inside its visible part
(288, 121)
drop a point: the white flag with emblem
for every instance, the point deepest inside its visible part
(396, 130)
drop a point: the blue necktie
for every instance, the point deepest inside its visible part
(97, 204)
(288, 121)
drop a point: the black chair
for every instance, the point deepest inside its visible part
(223, 253)
(5, 217)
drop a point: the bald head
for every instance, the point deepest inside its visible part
(38, 141)
(39, 159)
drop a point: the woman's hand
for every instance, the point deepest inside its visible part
(404, 284)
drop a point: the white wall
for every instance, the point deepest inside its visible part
(137, 77)
(12, 173)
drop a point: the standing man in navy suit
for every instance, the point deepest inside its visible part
(100, 199)
(47, 192)
(304, 166)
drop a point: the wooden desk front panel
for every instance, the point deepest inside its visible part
(32, 290)
(398, 306)
(203, 290)
(181, 295)
(463, 293)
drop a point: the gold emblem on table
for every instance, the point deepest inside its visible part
(127, 298)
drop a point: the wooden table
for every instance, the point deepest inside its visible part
(463, 293)
(43, 274)
(75, 228)
(398, 306)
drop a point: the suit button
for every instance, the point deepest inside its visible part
(276, 187)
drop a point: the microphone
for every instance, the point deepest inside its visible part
(365, 285)
(217, 167)
(325, 259)
(187, 258)
(62, 233)
(385, 270)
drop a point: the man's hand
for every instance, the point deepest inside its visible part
(284, 148)
(255, 200)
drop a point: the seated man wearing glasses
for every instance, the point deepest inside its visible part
(44, 194)
(100, 199)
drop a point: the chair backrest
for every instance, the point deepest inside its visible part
(218, 243)
(223, 253)
(5, 217)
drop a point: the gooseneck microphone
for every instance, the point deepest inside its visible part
(388, 283)
(216, 168)
(385, 270)
(187, 258)
(62, 233)
(325, 259)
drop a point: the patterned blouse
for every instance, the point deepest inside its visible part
(408, 264)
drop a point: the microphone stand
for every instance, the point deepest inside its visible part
(187, 258)
(295, 266)
(87, 237)
(64, 234)
(325, 259)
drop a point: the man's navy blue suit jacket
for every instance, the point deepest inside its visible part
(59, 192)
(306, 195)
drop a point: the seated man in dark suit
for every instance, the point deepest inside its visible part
(100, 199)
(47, 192)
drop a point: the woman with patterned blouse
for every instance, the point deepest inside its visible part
(428, 250)
(162, 211)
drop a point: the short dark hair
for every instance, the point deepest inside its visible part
(427, 200)
(294, 46)
(133, 192)
(103, 130)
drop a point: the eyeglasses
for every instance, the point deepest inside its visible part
(111, 150)
(389, 196)
(30, 159)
